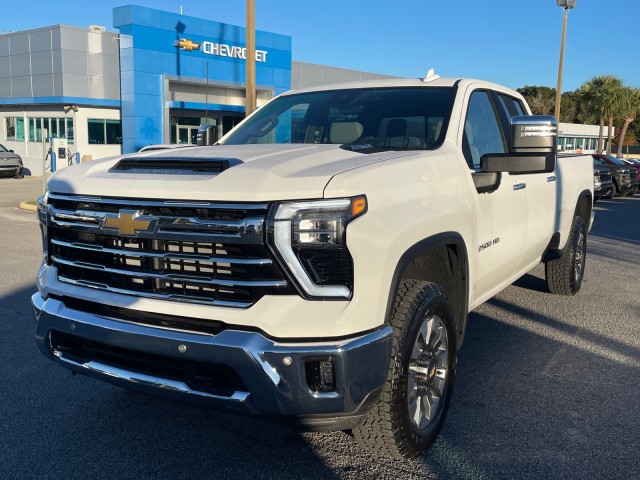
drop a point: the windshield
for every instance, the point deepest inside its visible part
(631, 161)
(364, 120)
(3, 149)
(615, 161)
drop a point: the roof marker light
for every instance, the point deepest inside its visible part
(431, 76)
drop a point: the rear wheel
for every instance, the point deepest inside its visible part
(564, 275)
(412, 407)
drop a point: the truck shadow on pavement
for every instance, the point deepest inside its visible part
(537, 396)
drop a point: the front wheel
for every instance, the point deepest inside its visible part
(414, 401)
(614, 190)
(564, 275)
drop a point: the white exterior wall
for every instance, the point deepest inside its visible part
(571, 132)
(32, 152)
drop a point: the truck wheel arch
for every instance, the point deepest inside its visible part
(441, 259)
(584, 209)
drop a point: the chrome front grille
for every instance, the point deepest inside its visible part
(605, 177)
(184, 251)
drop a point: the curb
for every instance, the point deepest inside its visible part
(28, 206)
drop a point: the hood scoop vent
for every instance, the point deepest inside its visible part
(175, 165)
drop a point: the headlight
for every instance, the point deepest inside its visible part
(310, 238)
(42, 217)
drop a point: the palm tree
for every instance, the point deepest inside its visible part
(602, 94)
(629, 108)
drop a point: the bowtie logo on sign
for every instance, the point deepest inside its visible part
(187, 45)
(219, 49)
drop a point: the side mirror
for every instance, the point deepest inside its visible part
(533, 147)
(533, 134)
(11, 151)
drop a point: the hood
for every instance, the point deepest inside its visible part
(255, 173)
(9, 156)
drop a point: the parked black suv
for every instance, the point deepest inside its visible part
(625, 177)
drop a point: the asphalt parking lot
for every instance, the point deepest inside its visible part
(548, 387)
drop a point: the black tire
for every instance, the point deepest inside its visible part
(388, 429)
(614, 189)
(564, 275)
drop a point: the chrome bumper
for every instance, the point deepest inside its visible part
(273, 372)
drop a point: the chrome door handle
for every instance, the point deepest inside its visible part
(551, 178)
(519, 186)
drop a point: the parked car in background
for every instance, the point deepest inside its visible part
(10, 163)
(632, 162)
(625, 177)
(602, 182)
(164, 146)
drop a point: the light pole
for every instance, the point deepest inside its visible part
(250, 75)
(566, 6)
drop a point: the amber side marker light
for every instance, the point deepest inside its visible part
(358, 206)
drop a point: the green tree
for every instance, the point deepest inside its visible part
(541, 100)
(602, 95)
(629, 106)
(568, 107)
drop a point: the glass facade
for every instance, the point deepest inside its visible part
(14, 129)
(571, 143)
(56, 127)
(104, 131)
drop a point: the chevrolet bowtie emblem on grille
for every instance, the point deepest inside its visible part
(187, 45)
(128, 222)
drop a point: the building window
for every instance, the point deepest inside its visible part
(104, 132)
(56, 127)
(561, 143)
(15, 129)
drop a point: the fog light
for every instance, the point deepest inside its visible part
(321, 376)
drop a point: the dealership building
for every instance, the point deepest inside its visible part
(155, 81)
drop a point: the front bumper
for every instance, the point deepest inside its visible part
(602, 189)
(273, 374)
(10, 170)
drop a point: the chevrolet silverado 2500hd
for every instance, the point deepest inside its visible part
(319, 263)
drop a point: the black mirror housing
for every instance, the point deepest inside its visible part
(518, 162)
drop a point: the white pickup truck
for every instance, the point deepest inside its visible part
(318, 264)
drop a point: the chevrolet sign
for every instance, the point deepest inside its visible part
(219, 49)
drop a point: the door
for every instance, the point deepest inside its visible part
(187, 135)
(499, 215)
(540, 191)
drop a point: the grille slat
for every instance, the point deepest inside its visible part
(167, 224)
(225, 262)
(169, 277)
(168, 255)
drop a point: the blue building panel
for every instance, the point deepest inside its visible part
(148, 61)
(282, 78)
(167, 44)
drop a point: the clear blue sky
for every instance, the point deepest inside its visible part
(514, 43)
